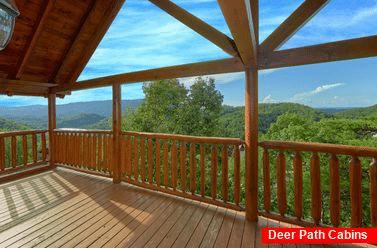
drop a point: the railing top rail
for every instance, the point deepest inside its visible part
(320, 147)
(18, 133)
(82, 131)
(187, 138)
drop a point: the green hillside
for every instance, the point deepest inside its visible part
(10, 125)
(358, 112)
(80, 121)
(232, 119)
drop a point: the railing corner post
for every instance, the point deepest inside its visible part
(51, 127)
(117, 125)
(251, 143)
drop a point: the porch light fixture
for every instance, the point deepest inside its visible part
(8, 14)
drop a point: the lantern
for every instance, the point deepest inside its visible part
(8, 14)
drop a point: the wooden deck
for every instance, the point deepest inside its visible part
(64, 208)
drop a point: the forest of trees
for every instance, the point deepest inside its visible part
(170, 107)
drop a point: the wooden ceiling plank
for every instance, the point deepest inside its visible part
(39, 28)
(25, 83)
(291, 25)
(207, 31)
(81, 58)
(93, 14)
(328, 52)
(187, 70)
(239, 17)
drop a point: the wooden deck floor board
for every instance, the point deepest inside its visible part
(65, 208)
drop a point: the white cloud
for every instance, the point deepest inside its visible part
(225, 78)
(268, 99)
(306, 96)
(309, 96)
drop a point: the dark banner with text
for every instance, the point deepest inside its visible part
(319, 235)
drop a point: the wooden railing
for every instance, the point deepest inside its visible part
(335, 174)
(22, 149)
(88, 150)
(192, 167)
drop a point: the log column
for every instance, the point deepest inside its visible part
(117, 127)
(251, 141)
(51, 127)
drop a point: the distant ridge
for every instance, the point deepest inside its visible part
(103, 108)
(335, 110)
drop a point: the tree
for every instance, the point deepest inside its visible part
(168, 107)
(200, 112)
(160, 109)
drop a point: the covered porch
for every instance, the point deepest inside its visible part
(161, 189)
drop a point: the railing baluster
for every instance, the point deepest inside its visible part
(127, 155)
(237, 177)
(34, 147)
(123, 156)
(266, 181)
(202, 170)
(136, 159)
(80, 149)
(25, 151)
(105, 153)
(281, 183)
(14, 151)
(373, 192)
(90, 147)
(158, 163)
(224, 181)
(66, 150)
(2, 154)
(315, 185)
(298, 184)
(110, 155)
(129, 158)
(94, 153)
(183, 166)
(166, 164)
(214, 172)
(334, 190)
(150, 161)
(355, 192)
(142, 158)
(192, 169)
(44, 154)
(174, 164)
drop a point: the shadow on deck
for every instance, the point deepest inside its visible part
(64, 208)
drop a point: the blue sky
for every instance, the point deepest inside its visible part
(144, 37)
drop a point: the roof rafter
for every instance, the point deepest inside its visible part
(242, 18)
(199, 26)
(39, 28)
(187, 70)
(291, 25)
(90, 35)
(328, 52)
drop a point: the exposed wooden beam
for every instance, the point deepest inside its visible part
(89, 37)
(25, 83)
(240, 16)
(292, 24)
(187, 70)
(328, 52)
(40, 26)
(199, 26)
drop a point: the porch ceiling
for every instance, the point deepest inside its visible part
(53, 41)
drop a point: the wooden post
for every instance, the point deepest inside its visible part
(117, 127)
(51, 127)
(251, 142)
